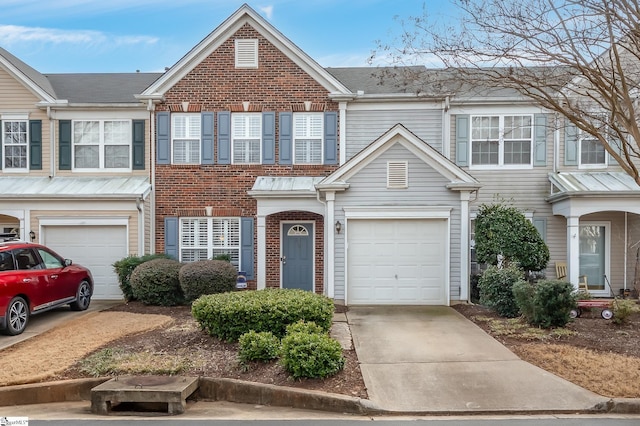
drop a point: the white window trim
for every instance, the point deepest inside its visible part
(15, 117)
(210, 247)
(233, 138)
(501, 165)
(101, 147)
(173, 137)
(295, 139)
(581, 137)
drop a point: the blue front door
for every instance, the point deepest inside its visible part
(297, 256)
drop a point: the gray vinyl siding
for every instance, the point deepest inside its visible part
(364, 127)
(426, 188)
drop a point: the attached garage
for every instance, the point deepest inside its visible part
(397, 261)
(95, 247)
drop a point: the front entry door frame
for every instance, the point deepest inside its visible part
(605, 290)
(285, 226)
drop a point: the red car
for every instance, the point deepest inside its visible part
(34, 279)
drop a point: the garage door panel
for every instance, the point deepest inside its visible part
(95, 247)
(399, 261)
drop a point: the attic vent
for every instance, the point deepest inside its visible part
(397, 174)
(246, 53)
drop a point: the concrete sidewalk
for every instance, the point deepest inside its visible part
(433, 360)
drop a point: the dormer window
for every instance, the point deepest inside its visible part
(246, 53)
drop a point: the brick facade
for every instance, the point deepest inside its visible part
(277, 85)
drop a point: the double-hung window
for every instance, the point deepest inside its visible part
(102, 144)
(15, 143)
(186, 129)
(308, 130)
(501, 140)
(203, 238)
(246, 133)
(592, 153)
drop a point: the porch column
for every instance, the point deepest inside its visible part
(464, 246)
(329, 247)
(262, 251)
(573, 249)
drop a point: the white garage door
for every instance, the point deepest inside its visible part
(95, 247)
(397, 262)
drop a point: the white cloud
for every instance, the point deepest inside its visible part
(13, 34)
(268, 11)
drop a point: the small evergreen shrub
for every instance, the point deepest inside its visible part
(496, 289)
(156, 282)
(308, 327)
(623, 309)
(207, 277)
(224, 256)
(547, 303)
(227, 316)
(311, 355)
(254, 346)
(125, 266)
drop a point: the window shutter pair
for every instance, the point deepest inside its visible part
(163, 137)
(463, 140)
(330, 138)
(172, 242)
(64, 144)
(571, 148)
(268, 137)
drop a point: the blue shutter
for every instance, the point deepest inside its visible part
(246, 246)
(64, 145)
(616, 145)
(268, 138)
(570, 145)
(35, 144)
(207, 138)
(541, 226)
(163, 137)
(462, 140)
(224, 137)
(286, 138)
(138, 145)
(540, 140)
(331, 137)
(171, 237)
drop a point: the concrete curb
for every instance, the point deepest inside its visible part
(238, 391)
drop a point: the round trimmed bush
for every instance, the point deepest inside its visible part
(207, 277)
(125, 266)
(311, 355)
(156, 282)
(262, 346)
(303, 326)
(496, 289)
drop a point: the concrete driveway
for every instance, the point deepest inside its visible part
(47, 320)
(431, 359)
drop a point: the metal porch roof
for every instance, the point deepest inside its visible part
(568, 184)
(74, 187)
(285, 185)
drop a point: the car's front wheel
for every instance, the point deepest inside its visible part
(17, 316)
(83, 297)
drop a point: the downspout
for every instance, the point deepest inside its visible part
(446, 128)
(152, 177)
(556, 149)
(52, 144)
(140, 207)
(626, 247)
(329, 243)
(342, 128)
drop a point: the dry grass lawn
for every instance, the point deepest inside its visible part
(613, 375)
(35, 360)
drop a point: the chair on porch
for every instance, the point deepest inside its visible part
(561, 274)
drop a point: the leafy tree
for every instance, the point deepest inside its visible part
(577, 58)
(503, 230)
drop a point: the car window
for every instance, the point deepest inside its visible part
(50, 260)
(26, 259)
(6, 261)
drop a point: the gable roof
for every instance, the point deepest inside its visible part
(244, 15)
(28, 76)
(459, 179)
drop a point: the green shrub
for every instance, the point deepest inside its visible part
(311, 355)
(227, 316)
(262, 346)
(553, 301)
(623, 309)
(308, 327)
(156, 282)
(224, 256)
(524, 293)
(125, 266)
(496, 289)
(207, 277)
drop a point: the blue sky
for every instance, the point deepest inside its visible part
(62, 36)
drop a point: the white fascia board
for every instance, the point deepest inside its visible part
(221, 34)
(100, 114)
(502, 108)
(397, 105)
(396, 212)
